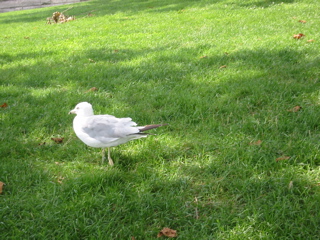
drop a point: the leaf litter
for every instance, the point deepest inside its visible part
(61, 17)
(282, 158)
(167, 232)
(298, 36)
(1, 187)
(57, 140)
(295, 109)
(4, 105)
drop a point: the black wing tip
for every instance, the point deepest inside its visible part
(152, 126)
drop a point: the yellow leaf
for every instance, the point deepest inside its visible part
(256, 143)
(290, 185)
(282, 158)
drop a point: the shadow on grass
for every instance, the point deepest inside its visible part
(214, 113)
(102, 6)
(264, 3)
(267, 78)
(107, 7)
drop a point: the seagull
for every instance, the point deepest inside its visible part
(105, 131)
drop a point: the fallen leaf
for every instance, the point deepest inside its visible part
(92, 89)
(223, 66)
(290, 185)
(91, 60)
(133, 238)
(26, 37)
(302, 21)
(116, 50)
(57, 140)
(298, 36)
(282, 158)
(1, 186)
(310, 40)
(295, 109)
(60, 179)
(4, 105)
(41, 144)
(167, 232)
(203, 57)
(196, 209)
(257, 143)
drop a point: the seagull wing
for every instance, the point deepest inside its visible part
(107, 128)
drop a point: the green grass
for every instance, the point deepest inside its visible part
(159, 62)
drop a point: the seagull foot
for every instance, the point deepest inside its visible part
(110, 162)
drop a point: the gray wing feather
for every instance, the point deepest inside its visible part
(107, 128)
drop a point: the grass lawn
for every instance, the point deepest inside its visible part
(239, 158)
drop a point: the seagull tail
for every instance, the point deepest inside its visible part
(152, 126)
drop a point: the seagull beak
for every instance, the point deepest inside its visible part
(72, 112)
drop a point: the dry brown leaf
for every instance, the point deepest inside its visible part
(167, 232)
(310, 40)
(295, 109)
(41, 144)
(57, 140)
(26, 37)
(203, 57)
(4, 105)
(223, 66)
(93, 89)
(1, 186)
(256, 143)
(298, 36)
(282, 158)
(302, 21)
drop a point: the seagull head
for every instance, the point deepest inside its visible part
(83, 109)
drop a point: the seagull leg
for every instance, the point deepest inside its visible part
(103, 155)
(109, 158)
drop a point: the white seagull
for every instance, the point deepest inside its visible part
(105, 131)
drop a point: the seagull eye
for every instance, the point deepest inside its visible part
(77, 107)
